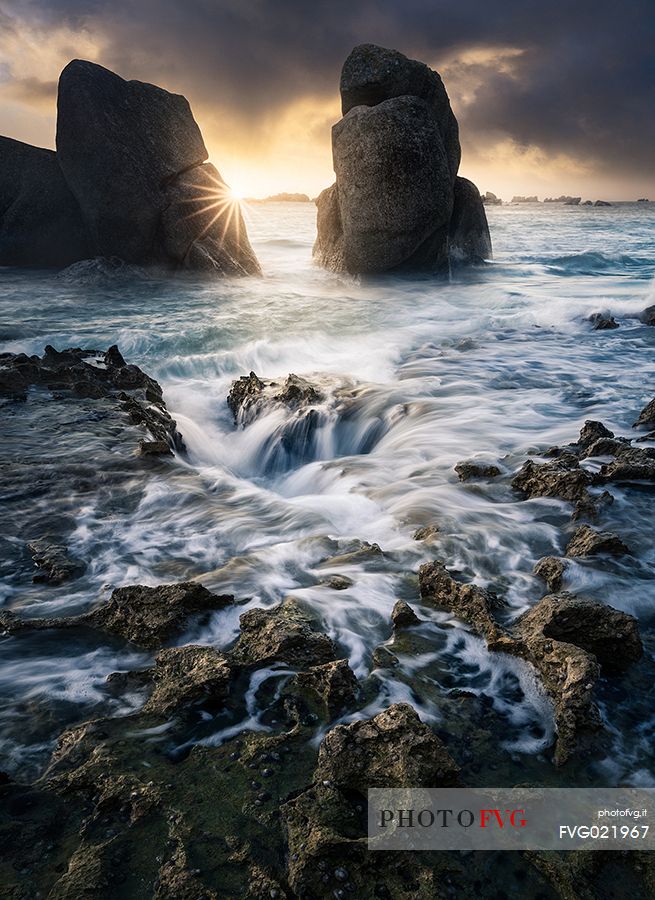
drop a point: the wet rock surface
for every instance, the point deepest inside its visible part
(587, 541)
(249, 396)
(53, 562)
(473, 604)
(647, 415)
(469, 470)
(321, 693)
(551, 569)
(403, 616)
(146, 616)
(96, 375)
(285, 633)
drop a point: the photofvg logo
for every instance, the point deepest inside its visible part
(511, 819)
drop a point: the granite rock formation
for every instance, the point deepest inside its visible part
(397, 203)
(129, 180)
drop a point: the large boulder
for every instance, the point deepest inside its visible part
(469, 239)
(396, 154)
(133, 156)
(40, 220)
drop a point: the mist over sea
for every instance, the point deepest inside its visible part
(496, 364)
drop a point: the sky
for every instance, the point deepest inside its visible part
(552, 97)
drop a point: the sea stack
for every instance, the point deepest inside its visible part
(129, 179)
(397, 203)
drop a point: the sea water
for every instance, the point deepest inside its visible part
(493, 365)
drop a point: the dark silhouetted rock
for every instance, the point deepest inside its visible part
(602, 203)
(394, 189)
(603, 322)
(648, 315)
(373, 74)
(591, 432)
(40, 221)
(587, 541)
(403, 616)
(468, 238)
(396, 154)
(132, 154)
(468, 470)
(551, 569)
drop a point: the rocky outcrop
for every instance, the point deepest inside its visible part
(469, 240)
(40, 220)
(469, 602)
(283, 634)
(647, 316)
(403, 616)
(396, 203)
(560, 636)
(468, 470)
(587, 541)
(321, 693)
(129, 180)
(146, 616)
(95, 374)
(551, 569)
(603, 322)
(249, 396)
(183, 675)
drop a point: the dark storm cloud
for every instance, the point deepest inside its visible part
(584, 84)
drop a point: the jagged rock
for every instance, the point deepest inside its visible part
(587, 541)
(471, 603)
(154, 448)
(467, 470)
(40, 221)
(610, 635)
(469, 240)
(647, 415)
(249, 396)
(393, 188)
(132, 155)
(647, 316)
(54, 563)
(603, 322)
(393, 749)
(561, 478)
(551, 569)
(632, 464)
(185, 674)
(93, 374)
(325, 691)
(282, 634)
(396, 155)
(147, 616)
(602, 203)
(426, 533)
(403, 616)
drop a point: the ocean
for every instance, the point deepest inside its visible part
(497, 364)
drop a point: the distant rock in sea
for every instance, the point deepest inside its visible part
(564, 198)
(129, 180)
(520, 199)
(283, 197)
(643, 200)
(602, 203)
(397, 203)
(490, 199)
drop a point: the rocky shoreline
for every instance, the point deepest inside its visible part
(129, 807)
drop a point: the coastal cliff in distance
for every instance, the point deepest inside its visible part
(129, 179)
(397, 202)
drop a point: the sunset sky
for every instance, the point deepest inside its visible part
(551, 98)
